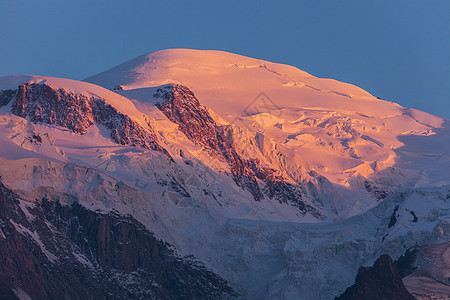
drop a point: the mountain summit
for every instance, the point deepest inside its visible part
(227, 82)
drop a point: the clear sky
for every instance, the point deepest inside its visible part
(398, 50)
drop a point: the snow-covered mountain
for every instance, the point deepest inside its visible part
(266, 182)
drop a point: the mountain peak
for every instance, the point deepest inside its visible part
(162, 67)
(229, 82)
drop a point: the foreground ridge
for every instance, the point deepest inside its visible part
(50, 247)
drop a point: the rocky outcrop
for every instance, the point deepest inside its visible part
(7, 96)
(40, 103)
(382, 281)
(180, 106)
(52, 251)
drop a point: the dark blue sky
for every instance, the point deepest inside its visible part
(396, 49)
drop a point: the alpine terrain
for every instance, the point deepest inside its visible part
(193, 174)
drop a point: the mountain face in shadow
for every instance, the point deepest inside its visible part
(382, 281)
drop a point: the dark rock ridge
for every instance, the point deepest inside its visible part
(183, 108)
(55, 251)
(180, 106)
(40, 103)
(382, 281)
(405, 263)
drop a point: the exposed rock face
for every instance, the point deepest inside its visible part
(180, 105)
(51, 251)
(40, 103)
(183, 108)
(380, 282)
(405, 263)
(6, 96)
